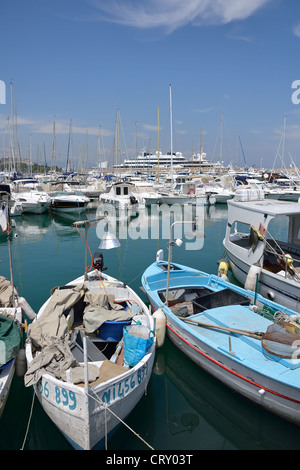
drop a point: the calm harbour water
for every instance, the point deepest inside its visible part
(184, 408)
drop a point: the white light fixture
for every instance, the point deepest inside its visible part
(178, 242)
(109, 241)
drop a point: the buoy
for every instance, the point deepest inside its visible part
(160, 327)
(223, 270)
(21, 363)
(26, 308)
(251, 277)
(288, 259)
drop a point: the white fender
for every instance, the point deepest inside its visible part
(26, 308)
(21, 364)
(160, 327)
(251, 277)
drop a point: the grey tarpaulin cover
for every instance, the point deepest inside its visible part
(56, 359)
(47, 333)
(52, 324)
(101, 308)
(6, 292)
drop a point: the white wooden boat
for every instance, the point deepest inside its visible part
(10, 341)
(262, 254)
(91, 390)
(11, 315)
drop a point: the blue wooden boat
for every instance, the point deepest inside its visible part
(236, 335)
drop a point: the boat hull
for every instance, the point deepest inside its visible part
(34, 208)
(64, 206)
(237, 379)
(6, 377)
(222, 356)
(81, 416)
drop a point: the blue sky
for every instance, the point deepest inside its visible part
(83, 59)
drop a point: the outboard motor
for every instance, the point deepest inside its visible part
(98, 262)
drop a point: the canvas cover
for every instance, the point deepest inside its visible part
(10, 339)
(6, 292)
(50, 331)
(47, 334)
(101, 308)
(56, 359)
(52, 324)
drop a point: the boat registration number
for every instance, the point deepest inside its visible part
(122, 388)
(62, 396)
(67, 398)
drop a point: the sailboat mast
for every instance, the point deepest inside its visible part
(87, 151)
(171, 126)
(118, 137)
(221, 140)
(200, 151)
(283, 139)
(99, 164)
(53, 145)
(158, 144)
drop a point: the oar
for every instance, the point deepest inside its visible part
(253, 334)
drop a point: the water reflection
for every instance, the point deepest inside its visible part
(183, 408)
(241, 424)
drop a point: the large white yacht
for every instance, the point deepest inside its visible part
(166, 160)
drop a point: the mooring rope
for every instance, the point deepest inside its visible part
(29, 421)
(106, 408)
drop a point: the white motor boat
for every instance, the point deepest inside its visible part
(121, 195)
(29, 193)
(66, 202)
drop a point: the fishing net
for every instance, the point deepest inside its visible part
(282, 339)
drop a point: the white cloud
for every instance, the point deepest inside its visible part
(296, 30)
(150, 127)
(40, 126)
(292, 132)
(173, 14)
(203, 110)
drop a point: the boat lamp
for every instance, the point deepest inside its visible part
(109, 241)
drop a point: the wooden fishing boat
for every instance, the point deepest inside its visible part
(262, 246)
(79, 361)
(229, 332)
(10, 339)
(11, 315)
